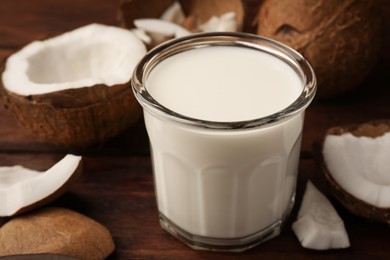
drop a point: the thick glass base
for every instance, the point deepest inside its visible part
(226, 244)
(220, 244)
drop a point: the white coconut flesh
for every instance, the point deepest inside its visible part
(318, 226)
(174, 13)
(361, 166)
(87, 56)
(161, 27)
(224, 23)
(21, 187)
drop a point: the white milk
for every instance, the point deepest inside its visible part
(224, 84)
(224, 184)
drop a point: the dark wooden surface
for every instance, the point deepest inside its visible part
(117, 186)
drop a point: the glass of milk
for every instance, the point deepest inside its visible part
(224, 114)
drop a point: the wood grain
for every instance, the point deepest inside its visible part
(117, 189)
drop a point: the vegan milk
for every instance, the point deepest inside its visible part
(224, 183)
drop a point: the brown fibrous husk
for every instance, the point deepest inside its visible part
(341, 39)
(56, 231)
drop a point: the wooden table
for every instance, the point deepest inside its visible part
(117, 186)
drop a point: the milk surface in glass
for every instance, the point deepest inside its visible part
(216, 186)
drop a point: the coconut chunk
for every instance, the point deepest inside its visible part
(161, 27)
(360, 165)
(224, 23)
(141, 34)
(22, 189)
(318, 226)
(87, 56)
(174, 13)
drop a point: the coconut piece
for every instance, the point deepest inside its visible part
(318, 226)
(189, 23)
(87, 56)
(341, 39)
(73, 89)
(141, 34)
(224, 23)
(174, 14)
(161, 27)
(57, 231)
(355, 163)
(23, 189)
(202, 10)
(160, 30)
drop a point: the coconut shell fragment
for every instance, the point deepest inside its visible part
(376, 187)
(56, 231)
(341, 39)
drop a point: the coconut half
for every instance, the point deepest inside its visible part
(355, 162)
(90, 55)
(23, 189)
(73, 89)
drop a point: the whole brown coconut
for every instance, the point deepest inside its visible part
(341, 39)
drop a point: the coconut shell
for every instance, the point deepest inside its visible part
(37, 257)
(56, 231)
(350, 202)
(341, 39)
(75, 117)
(72, 98)
(202, 10)
(75, 127)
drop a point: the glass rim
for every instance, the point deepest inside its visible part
(288, 55)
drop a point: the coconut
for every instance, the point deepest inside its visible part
(73, 89)
(318, 226)
(199, 10)
(354, 161)
(341, 39)
(23, 189)
(155, 31)
(56, 231)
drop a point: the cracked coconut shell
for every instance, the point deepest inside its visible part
(354, 161)
(73, 89)
(341, 39)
